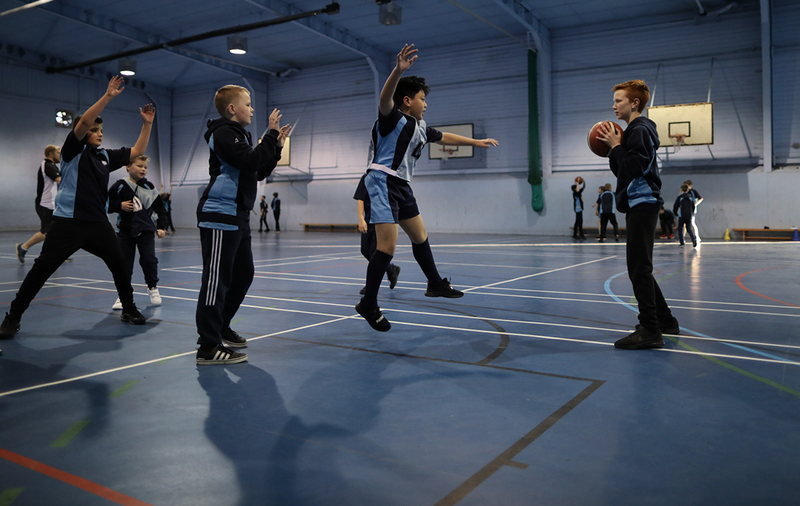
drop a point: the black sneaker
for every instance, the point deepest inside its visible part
(232, 339)
(219, 355)
(641, 339)
(670, 327)
(601, 239)
(20, 253)
(375, 318)
(443, 289)
(392, 273)
(616, 238)
(132, 315)
(9, 327)
(363, 291)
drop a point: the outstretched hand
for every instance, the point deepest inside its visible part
(115, 86)
(487, 143)
(406, 57)
(283, 134)
(148, 113)
(275, 119)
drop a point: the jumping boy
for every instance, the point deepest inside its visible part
(142, 217)
(398, 137)
(638, 194)
(577, 206)
(367, 230)
(223, 216)
(684, 208)
(47, 181)
(80, 220)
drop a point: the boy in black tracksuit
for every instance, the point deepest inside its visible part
(142, 217)
(684, 208)
(223, 213)
(577, 206)
(638, 194)
(80, 220)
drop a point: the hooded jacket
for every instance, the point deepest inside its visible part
(149, 213)
(235, 167)
(634, 163)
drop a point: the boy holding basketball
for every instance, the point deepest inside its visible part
(398, 138)
(633, 161)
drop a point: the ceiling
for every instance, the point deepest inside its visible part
(70, 31)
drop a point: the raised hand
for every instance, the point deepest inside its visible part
(406, 57)
(115, 86)
(487, 143)
(283, 134)
(275, 119)
(148, 113)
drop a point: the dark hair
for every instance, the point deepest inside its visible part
(409, 87)
(97, 121)
(684, 188)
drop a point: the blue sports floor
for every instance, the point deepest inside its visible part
(511, 395)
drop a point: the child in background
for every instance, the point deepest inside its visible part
(605, 205)
(667, 222)
(142, 217)
(684, 208)
(369, 243)
(577, 206)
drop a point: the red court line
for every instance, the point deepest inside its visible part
(71, 479)
(741, 285)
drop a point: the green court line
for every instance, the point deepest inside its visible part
(66, 437)
(633, 298)
(166, 359)
(237, 321)
(325, 290)
(124, 388)
(268, 308)
(733, 368)
(9, 495)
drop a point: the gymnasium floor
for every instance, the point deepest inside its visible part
(511, 395)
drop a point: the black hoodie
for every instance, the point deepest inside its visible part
(235, 167)
(634, 164)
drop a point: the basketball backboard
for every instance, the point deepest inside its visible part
(442, 152)
(693, 124)
(285, 158)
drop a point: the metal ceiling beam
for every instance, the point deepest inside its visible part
(330, 31)
(524, 17)
(131, 33)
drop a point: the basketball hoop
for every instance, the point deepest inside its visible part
(446, 152)
(677, 141)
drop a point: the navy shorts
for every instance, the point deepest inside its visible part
(390, 198)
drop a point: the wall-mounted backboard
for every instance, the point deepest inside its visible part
(442, 152)
(691, 124)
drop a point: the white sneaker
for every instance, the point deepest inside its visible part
(117, 305)
(155, 297)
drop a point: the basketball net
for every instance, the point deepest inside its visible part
(677, 142)
(446, 152)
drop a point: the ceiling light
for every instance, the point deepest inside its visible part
(237, 44)
(390, 13)
(127, 67)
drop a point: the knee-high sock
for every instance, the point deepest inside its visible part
(424, 257)
(375, 271)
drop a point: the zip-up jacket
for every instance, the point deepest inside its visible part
(149, 212)
(684, 206)
(634, 163)
(235, 167)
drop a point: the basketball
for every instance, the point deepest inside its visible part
(597, 146)
(579, 180)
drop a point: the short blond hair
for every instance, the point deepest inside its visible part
(143, 158)
(226, 95)
(49, 150)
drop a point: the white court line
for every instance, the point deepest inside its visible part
(540, 273)
(443, 315)
(169, 357)
(265, 263)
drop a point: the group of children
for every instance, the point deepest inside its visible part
(384, 195)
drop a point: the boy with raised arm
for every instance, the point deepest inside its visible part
(638, 195)
(223, 216)
(80, 220)
(398, 137)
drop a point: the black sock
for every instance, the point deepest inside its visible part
(390, 267)
(375, 271)
(424, 257)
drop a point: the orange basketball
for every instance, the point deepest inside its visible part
(597, 146)
(579, 180)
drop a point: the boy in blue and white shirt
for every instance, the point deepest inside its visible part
(398, 138)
